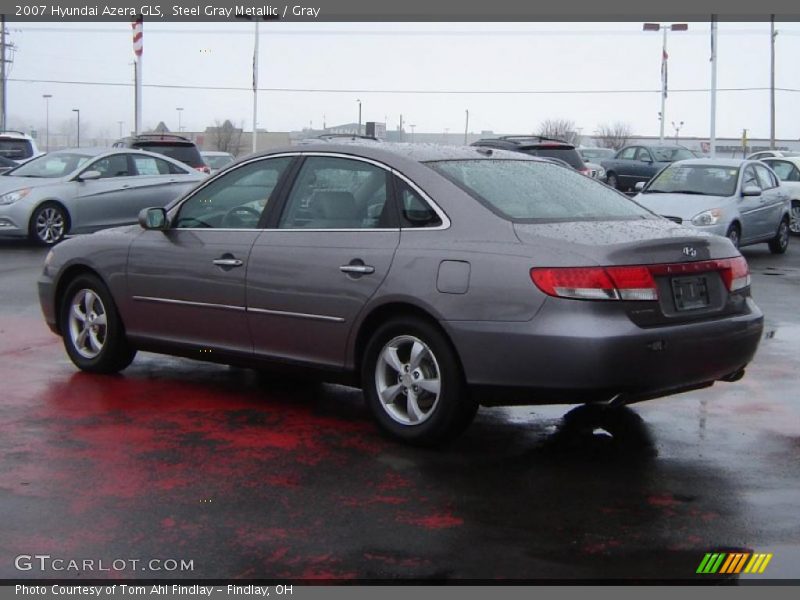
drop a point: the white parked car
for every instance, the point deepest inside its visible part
(788, 170)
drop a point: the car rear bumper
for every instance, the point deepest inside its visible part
(575, 352)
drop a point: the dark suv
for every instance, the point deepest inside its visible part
(536, 145)
(174, 146)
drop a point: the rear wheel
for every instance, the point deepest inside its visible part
(780, 242)
(94, 336)
(734, 234)
(794, 223)
(49, 224)
(413, 383)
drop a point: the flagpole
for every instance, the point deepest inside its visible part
(663, 86)
(138, 46)
(713, 135)
(255, 90)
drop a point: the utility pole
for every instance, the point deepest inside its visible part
(466, 128)
(772, 35)
(255, 91)
(3, 72)
(713, 133)
(47, 120)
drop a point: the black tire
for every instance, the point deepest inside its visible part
(734, 234)
(794, 222)
(613, 181)
(780, 242)
(95, 338)
(439, 417)
(49, 224)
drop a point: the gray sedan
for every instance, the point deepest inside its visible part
(436, 278)
(740, 199)
(85, 189)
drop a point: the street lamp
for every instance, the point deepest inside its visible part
(78, 110)
(664, 27)
(47, 120)
(120, 123)
(180, 110)
(359, 116)
(677, 129)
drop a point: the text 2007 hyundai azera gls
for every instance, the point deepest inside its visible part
(436, 278)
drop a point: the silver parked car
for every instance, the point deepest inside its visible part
(740, 199)
(788, 171)
(436, 278)
(86, 189)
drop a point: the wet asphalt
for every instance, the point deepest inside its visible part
(253, 476)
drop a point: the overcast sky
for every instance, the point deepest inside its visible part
(366, 58)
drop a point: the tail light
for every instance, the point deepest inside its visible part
(203, 169)
(635, 282)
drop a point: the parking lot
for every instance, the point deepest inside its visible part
(253, 476)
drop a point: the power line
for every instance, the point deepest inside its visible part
(390, 91)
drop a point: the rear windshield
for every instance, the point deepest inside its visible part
(533, 191)
(566, 153)
(15, 149)
(186, 153)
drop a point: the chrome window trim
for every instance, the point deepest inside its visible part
(436, 208)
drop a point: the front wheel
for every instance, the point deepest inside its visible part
(734, 235)
(780, 242)
(48, 225)
(612, 181)
(794, 223)
(94, 336)
(413, 383)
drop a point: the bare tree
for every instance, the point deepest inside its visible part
(561, 129)
(226, 137)
(614, 135)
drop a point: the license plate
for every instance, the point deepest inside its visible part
(690, 293)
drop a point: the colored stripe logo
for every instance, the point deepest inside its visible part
(733, 563)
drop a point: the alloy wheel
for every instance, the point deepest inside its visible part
(88, 325)
(50, 225)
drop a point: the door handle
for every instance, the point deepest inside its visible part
(360, 269)
(227, 262)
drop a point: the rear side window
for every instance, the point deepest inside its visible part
(785, 170)
(150, 165)
(414, 211)
(529, 191)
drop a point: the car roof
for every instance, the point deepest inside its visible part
(98, 151)
(214, 153)
(389, 151)
(15, 135)
(715, 162)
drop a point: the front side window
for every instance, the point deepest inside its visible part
(749, 178)
(695, 179)
(628, 153)
(337, 193)
(236, 200)
(533, 191)
(111, 166)
(765, 178)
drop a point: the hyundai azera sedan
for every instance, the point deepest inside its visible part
(86, 189)
(435, 278)
(741, 199)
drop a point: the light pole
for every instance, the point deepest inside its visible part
(664, 56)
(359, 116)
(78, 110)
(412, 132)
(120, 123)
(180, 110)
(677, 129)
(466, 127)
(47, 120)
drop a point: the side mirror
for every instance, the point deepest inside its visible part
(639, 186)
(153, 218)
(89, 175)
(751, 190)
